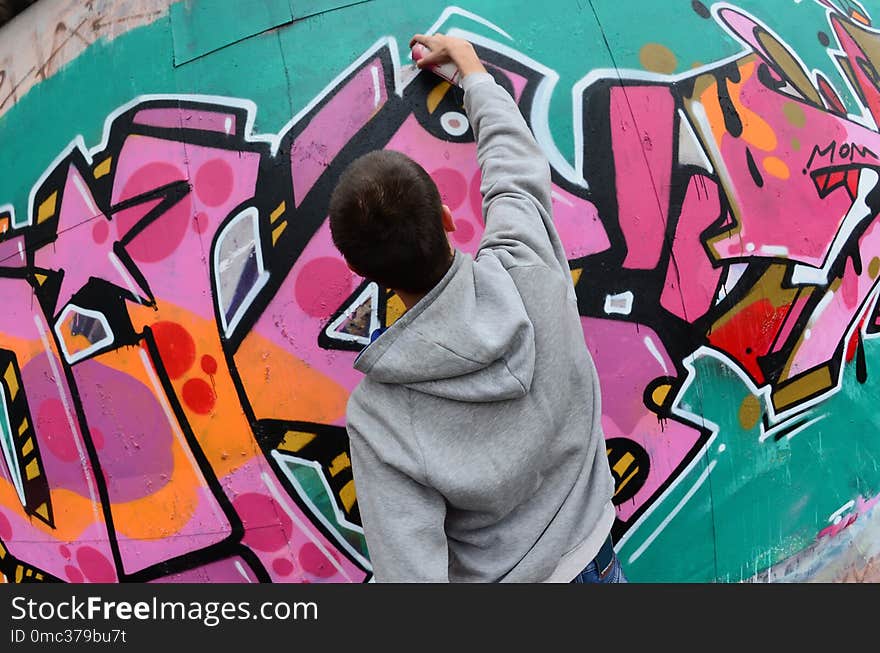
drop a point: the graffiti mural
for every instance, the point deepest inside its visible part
(178, 331)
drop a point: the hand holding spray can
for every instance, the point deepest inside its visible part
(448, 71)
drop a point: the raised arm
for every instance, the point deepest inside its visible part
(516, 186)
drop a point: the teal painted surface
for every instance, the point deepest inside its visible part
(202, 26)
(743, 503)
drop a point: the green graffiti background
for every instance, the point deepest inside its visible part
(762, 501)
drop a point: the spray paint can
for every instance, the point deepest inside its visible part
(448, 71)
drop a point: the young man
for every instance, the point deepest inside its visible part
(476, 441)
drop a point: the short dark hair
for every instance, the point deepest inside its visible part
(386, 220)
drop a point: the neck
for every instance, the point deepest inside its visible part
(409, 299)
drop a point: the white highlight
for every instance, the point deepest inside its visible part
(458, 11)
(9, 452)
(620, 304)
(85, 194)
(377, 87)
(74, 431)
(304, 529)
(371, 292)
(687, 497)
(242, 571)
(649, 343)
(774, 250)
(73, 357)
(253, 215)
(175, 428)
(341, 518)
(126, 277)
(809, 275)
(837, 513)
(454, 123)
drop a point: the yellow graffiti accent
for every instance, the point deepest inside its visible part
(658, 58)
(623, 464)
(394, 309)
(347, 496)
(22, 427)
(296, 440)
(11, 381)
(27, 447)
(777, 167)
(43, 511)
(32, 470)
(339, 463)
(435, 97)
(277, 231)
(279, 210)
(660, 394)
(47, 208)
(103, 168)
(576, 275)
(805, 386)
(749, 412)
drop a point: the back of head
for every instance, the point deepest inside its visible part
(386, 220)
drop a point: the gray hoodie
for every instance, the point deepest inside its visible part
(476, 440)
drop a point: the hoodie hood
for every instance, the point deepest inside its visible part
(469, 339)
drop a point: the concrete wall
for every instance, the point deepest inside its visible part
(177, 331)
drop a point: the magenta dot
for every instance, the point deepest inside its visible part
(95, 567)
(163, 235)
(476, 197)
(267, 526)
(64, 551)
(73, 574)
(315, 562)
(201, 222)
(100, 231)
(5, 528)
(452, 186)
(55, 430)
(214, 182)
(464, 231)
(282, 566)
(322, 285)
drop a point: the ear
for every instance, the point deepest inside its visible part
(448, 220)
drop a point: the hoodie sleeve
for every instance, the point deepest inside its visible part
(516, 185)
(403, 519)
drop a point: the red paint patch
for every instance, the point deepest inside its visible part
(177, 349)
(100, 231)
(64, 551)
(322, 285)
(315, 562)
(452, 185)
(214, 182)
(267, 526)
(5, 528)
(209, 364)
(95, 566)
(55, 431)
(164, 235)
(749, 334)
(464, 232)
(199, 396)
(282, 566)
(73, 574)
